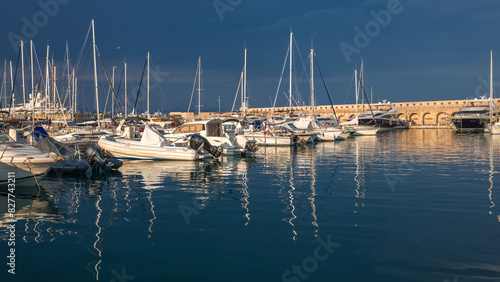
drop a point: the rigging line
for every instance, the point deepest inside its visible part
(326, 88)
(302, 60)
(15, 76)
(38, 63)
(120, 83)
(366, 97)
(163, 98)
(281, 78)
(107, 99)
(237, 92)
(109, 81)
(348, 90)
(192, 92)
(78, 60)
(140, 86)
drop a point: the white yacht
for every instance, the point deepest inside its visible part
(231, 143)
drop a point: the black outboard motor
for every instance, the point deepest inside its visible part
(252, 146)
(197, 142)
(98, 162)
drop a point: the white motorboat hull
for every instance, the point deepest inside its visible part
(129, 149)
(24, 163)
(265, 140)
(331, 135)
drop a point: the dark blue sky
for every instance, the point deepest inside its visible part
(427, 50)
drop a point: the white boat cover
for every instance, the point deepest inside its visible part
(303, 123)
(151, 137)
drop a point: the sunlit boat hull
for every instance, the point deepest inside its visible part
(24, 163)
(130, 149)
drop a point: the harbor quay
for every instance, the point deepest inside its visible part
(426, 114)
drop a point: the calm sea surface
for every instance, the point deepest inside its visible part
(415, 205)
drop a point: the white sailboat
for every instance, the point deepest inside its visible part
(360, 128)
(493, 126)
(324, 134)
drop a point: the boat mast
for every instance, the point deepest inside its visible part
(76, 92)
(53, 85)
(244, 97)
(11, 86)
(74, 95)
(4, 83)
(312, 81)
(149, 116)
(95, 77)
(291, 60)
(199, 87)
(112, 98)
(362, 77)
(356, 89)
(46, 82)
(68, 89)
(126, 100)
(491, 86)
(22, 73)
(33, 96)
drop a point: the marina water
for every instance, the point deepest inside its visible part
(414, 205)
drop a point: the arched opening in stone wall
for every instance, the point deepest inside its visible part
(402, 117)
(428, 119)
(415, 119)
(341, 118)
(442, 119)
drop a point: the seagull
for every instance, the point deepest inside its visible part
(118, 47)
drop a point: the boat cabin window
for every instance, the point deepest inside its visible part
(214, 130)
(190, 128)
(4, 138)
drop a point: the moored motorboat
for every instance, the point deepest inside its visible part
(21, 163)
(153, 146)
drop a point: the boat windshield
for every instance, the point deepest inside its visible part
(5, 138)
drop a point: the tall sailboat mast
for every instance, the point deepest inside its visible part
(11, 86)
(47, 90)
(126, 100)
(53, 86)
(312, 81)
(73, 103)
(362, 77)
(291, 70)
(356, 89)
(199, 87)
(33, 95)
(22, 73)
(68, 90)
(95, 77)
(112, 98)
(4, 84)
(244, 98)
(491, 86)
(149, 116)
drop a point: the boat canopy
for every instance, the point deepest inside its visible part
(151, 137)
